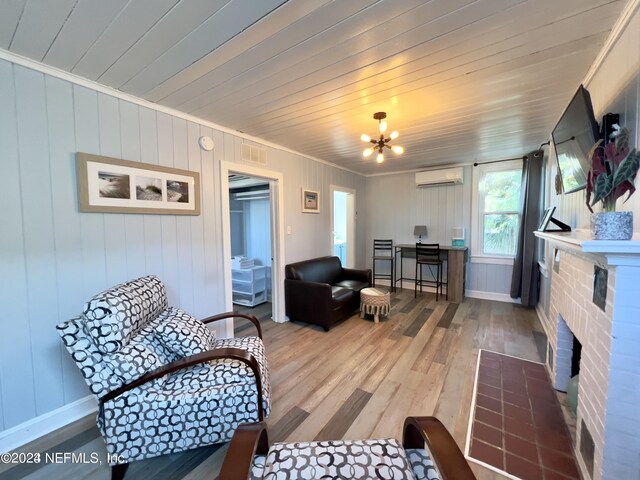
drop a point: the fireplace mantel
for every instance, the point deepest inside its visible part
(616, 252)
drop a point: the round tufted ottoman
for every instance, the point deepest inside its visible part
(374, 302)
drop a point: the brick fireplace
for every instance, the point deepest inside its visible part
(595, 297)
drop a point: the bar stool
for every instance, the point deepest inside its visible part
(429, 254)
(383, 251)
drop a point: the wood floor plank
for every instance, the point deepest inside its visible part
(337, 378)
(385, 361)
(363, 425)
(392, 419)
(444, 353)
(69, 445)
(429, 351)
(344, 417)
(210, 468)
(428, 393)
(415, 326)
(413, 303)
(473, 308)
(280, 430)
(74, 470)
(447, 318)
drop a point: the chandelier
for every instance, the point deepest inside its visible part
(382, 142)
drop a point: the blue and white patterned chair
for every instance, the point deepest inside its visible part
(428, 452)
(163, 382)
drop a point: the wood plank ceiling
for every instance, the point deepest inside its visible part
(461, 80)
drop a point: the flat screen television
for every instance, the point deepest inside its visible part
(573, 137)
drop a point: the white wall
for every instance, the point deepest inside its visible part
(615, 88)
(396, 206)
(257, 227)
(236, 225)
(53, 258)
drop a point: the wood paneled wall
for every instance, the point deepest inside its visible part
(614, 88)
(53, 258)
(396, 206)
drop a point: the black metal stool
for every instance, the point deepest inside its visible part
(383, 251)
(429, 254)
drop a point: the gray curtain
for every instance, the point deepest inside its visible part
(524, 281)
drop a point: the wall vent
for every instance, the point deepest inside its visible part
(253, 153)
(587, 448)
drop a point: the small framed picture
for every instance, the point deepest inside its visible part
(310, 201)
(546, 217)
(111, 185)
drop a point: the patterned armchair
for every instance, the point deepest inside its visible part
(428, 452)
(163, 382)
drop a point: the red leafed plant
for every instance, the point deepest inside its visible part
(613, 170)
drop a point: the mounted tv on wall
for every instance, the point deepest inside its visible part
(573, 137)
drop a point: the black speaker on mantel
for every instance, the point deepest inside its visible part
(608, 121)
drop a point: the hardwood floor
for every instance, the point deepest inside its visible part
(359, 380)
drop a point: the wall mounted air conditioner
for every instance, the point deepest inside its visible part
(434, 178)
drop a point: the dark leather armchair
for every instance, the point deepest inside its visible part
(321, 292)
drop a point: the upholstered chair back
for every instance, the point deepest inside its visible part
(116, 320)
(115, 315)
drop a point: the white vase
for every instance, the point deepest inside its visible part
(612, 225)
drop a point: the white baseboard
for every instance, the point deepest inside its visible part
(37, 427)
(498, 297)
(406, 284)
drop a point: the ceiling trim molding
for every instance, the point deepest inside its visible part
(618, 28)
(98, 87)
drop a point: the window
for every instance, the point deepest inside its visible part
(496, 209)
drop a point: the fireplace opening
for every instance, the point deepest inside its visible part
(575, 357)
(567, 356)
(574, 379)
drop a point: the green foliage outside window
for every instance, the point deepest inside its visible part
(500, 216)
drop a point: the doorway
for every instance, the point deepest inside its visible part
(343, 224)
(251, 252)
(261, 185)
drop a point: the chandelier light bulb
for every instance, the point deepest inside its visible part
(379, 143)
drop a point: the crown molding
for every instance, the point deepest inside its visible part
(618, 28)
(98, 87)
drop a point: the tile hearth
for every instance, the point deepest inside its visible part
(518, 425)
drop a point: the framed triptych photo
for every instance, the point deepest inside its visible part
(111, 185)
